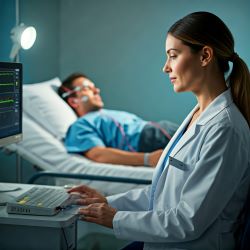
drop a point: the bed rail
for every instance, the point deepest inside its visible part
(87, 177)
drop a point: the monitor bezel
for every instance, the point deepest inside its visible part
(4, 141)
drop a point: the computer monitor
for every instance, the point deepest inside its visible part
(10, 103)
(10, 113)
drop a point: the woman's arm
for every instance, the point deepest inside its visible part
(222, 164)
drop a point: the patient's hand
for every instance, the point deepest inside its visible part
(88, 195)
(154, 157)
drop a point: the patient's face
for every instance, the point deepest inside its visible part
(88, 97)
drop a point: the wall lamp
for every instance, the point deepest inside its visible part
(21, 36)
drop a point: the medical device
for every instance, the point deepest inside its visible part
(10, 103)
(83, 99)
(10, 112)
(69, 92)
(40, 201)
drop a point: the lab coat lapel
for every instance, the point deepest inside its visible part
(222, 101)
(186, 137)
(180, 129)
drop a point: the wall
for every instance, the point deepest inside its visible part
(7, 22)
(120, 45)
(41, 62)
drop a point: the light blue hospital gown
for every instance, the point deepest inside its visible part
(104, 128)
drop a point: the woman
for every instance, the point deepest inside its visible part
(201, 181)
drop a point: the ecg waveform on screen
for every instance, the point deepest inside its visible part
(8, 99)
(7, 82)
(6, 103)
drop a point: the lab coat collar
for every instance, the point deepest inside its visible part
(188, 135)
(215, 107)
(191, 133)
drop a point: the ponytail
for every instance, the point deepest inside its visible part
(240, 86)
(200, 29)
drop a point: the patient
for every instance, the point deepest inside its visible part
(110, 136)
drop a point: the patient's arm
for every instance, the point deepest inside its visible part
(117, 156)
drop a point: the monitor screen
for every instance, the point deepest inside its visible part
(10, 103)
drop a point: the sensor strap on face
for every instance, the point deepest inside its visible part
(68, 91)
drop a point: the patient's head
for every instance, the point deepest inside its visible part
(81, 94)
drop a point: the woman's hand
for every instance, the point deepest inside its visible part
(99, 213)
(87, 195)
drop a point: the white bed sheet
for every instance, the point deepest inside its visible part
(42, 148)
(46, 118)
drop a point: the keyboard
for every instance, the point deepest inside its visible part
(39, 201)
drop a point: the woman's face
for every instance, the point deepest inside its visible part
(182, 65)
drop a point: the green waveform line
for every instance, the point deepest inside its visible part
(6, 101)
(7, 84)
(6, 74)
(6, 111)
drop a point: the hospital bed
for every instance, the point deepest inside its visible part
(46, 118)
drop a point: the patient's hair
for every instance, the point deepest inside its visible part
(67, 85)
(200, 29)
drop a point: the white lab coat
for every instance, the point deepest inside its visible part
(201, 191)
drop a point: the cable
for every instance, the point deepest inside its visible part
(124, 137)
(164, 131)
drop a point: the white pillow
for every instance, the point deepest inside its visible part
(46, 107)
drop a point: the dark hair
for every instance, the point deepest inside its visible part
(67, 84)
(200, 29)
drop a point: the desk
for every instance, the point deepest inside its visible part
(28, 232)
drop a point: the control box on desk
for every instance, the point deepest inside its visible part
(29, 232)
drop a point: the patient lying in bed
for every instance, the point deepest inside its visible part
(110, 136)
